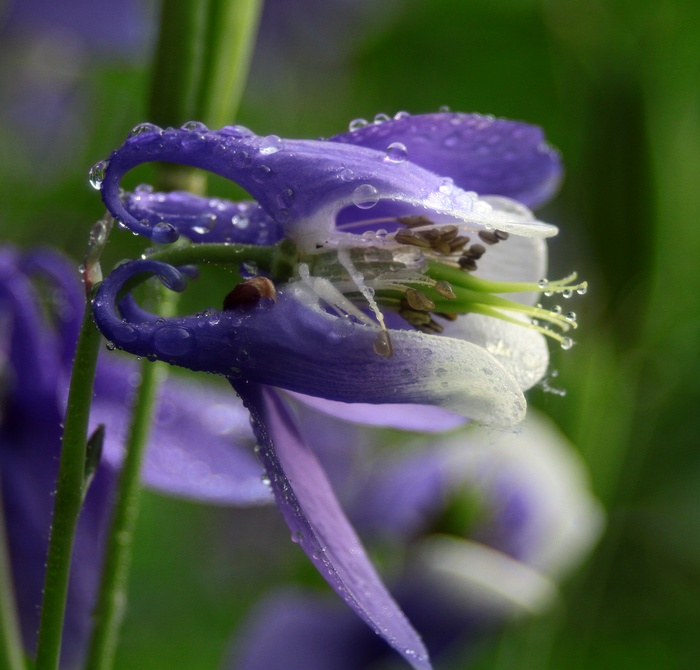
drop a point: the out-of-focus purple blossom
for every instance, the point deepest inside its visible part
(200, 446)
(48, 51)
(376, 217)
(484, 525)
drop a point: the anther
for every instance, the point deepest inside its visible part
(444, 289)
(489, 236)
(476, 251)
(404, 236)
(458, 243)
(467, 263)
(419, 301)
(449, 316)
(414, 221)
(248, 294)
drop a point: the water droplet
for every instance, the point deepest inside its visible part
(270, 144)
(125, 332)
(567, 343)
(143, 189)
(447, 185)
(165, 233)
(241, 222)
(356, 124)
(173, 340)
(543, 283)
(401, 115)
(192, 126)
(97, 174)
(444, 109)
(262, 173)
(346, 174)
(582, 289)
(381, 118)
(285, 198)
(556, 309)
(571, 316)
(567, 293)
(396, 153)
(365, 196)
(110, 346)
(266, 482)
(145, 128)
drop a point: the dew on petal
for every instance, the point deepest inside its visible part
(356, 124)
(173, 340)
(365, 196)
(97, 174)
(165, 233)
(270, 144)
(396, 152)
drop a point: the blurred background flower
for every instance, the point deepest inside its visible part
(476, 529)
(614, 84)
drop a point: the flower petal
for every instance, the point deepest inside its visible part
(295, 345)
(421, 418)
(203, 219)
(480, 153)
(521, 351)
(200, 444)
(309, 633)
(319, 525)
(301, 184)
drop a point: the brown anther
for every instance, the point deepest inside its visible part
(414, 221)
(444, 288)
(448, 233)
(450, 316)
(431, 327)
(416, 319)
(458, 243)
(419, 301)
(467, 263)
(502, 235)
(476, 251)
(489, 236)
(248, 294)
(442, 248)
(432, 235)
(404, 236)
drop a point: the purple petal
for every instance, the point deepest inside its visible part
(200, 445)
(33, 346)
(420, 418)
(203, 219)
(296, 346)
(480, 153)
(319, 525)
(309, 633)
(301, 184)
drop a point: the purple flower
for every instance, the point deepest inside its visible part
(381, 250)
(200, 444)
(485, 525)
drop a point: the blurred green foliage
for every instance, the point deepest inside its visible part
(615, 85)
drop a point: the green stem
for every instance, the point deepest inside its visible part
(231, 33)
(109, 611)
(218, 254)
(11, 655)
(69, 495)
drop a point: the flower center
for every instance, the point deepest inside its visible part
(425, 273)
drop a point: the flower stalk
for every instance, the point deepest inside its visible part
(69, 495)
